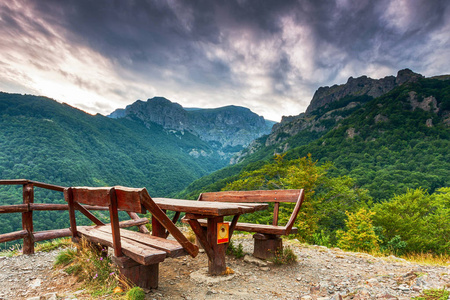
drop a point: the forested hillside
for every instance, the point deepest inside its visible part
(388, 144)
(46, 141)
(376, 171)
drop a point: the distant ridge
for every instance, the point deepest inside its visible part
(228, 129)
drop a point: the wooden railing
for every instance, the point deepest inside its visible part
(28, 206)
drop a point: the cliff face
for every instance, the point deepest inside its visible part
(328, 106)
(360, 86)
(331, 104)
(227, 129)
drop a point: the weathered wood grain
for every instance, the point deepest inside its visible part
(27, 219)
(51, 234)
(137, 251)
(13, 208)
(12, 236)
(172, 248)
(251, 196)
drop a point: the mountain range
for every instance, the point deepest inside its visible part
(227, 129)
(389, 134)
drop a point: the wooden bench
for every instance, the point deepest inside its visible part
(136, 254)
(267, 237)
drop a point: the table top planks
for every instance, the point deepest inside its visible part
(207, 208)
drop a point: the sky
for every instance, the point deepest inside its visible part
(267, 55)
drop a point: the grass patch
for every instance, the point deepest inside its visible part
(428, 259)
(135, 293)
(433, 294)
(48, 246)
(284, 256)
(93, 268)
(14, 250)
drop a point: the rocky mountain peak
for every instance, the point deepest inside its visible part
(362, 85)
(228, 129)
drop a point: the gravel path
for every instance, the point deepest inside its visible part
(320, 273)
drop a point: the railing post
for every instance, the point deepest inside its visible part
(27, 219)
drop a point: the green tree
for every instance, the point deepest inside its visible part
(420, 219)
(360, 234)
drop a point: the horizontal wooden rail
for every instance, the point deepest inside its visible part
(51, 234)
(12, 236)
(35, 183)
(43, 206)
(29, 206)
(13, 208)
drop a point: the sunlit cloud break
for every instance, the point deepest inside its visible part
(269, 56)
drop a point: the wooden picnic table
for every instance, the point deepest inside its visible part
(214, 213)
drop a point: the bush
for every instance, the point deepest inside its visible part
(360, 234)
(238, 251)
(418, 219)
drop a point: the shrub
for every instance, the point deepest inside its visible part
(360, 234)
(238, 251)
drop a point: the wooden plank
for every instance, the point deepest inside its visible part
(48, 206)
(14, 181)
(87, 213)
(127, 198)
(48, 186)
(138, 252)
(251, 196)
(130, 223)
(27, 219)
(298, 205)
(276, 208)
(51, 234)
(208, 208)
(172, 248)
(12, 236)
(260, 228)
(157, 228)
(141, 227)
(233, 225)
(68, 195)
(114, 217)
(13, 208)
(202, 238)
(162, 218)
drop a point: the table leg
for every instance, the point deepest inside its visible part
(157, 228)
(216, 266)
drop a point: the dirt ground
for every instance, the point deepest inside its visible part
(319, 273)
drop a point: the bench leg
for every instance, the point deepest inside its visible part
(143, 276)
(266, 245)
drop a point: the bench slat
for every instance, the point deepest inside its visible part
(172, 248)
(140, 253)
(252, 196)
(260, 228)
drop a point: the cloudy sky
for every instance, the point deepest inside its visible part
(268, 55)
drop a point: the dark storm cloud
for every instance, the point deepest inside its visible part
(271, 53)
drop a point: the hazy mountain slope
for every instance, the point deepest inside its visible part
(51, 142)
(227, 129)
